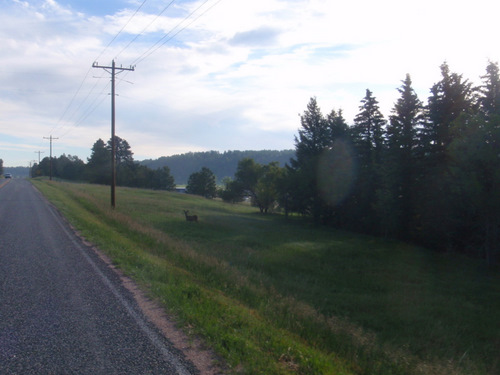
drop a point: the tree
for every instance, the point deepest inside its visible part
(266, 191)
(368, 130)
(247, 176)
(368, 138)
(232, 192)
(315, 175)
(475, 175)
(314, 137)
(124, 154)
(126, 170)
(402, 142)
(99, 164)
(163, 180)
(450, 98)
(69, 167)
(451, 102)
(202, 183)
(490, 91)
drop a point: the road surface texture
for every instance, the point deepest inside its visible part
(62, 309)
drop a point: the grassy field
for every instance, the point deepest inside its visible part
(278, 296)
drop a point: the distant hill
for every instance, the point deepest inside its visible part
(17, 171)
(221, 164)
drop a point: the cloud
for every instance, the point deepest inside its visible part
(236, 78)
(263, 36)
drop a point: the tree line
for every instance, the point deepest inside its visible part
(97, 170)
(429, 173)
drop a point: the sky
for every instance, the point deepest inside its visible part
(218, 74)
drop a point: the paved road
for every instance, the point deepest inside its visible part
(62, 310)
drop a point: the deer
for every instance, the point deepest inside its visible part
(190, 217)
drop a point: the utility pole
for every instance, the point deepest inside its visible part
(50, 161)
(113, 72)
(39, 152)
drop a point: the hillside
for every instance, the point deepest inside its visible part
(17, 171)
(221, 164)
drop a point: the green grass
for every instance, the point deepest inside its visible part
(277, 296)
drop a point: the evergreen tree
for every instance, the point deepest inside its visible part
(314, 137)
(451, 102)
(490, 91)
(368, 138)
(127, 172)
(163, 179)
(450, 98)
(401, 164)
(314, 134)
(337, 126)
(99, 164)
(124, 154)
(368, 131)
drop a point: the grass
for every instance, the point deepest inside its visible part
(277, 296)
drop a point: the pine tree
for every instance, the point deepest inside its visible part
(451, 103)
(450, 98)
(315, 135)
(402, 141)
(99, 164)
(490, 91)
(368, 131)
(124, 154)
(368, 137)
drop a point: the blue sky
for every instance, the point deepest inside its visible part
(233, 76)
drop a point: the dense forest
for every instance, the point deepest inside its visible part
(429, 173)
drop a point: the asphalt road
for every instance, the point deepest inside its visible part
(63, 310)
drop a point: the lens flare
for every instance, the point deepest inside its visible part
(336, 172)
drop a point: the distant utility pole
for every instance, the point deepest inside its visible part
(50, 161)
(113, 70)
(39, 152)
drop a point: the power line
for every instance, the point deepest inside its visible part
(159, 43)
(88, 71)
(138, 35)
(119, 32)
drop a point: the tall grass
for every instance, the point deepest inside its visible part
(277, 296)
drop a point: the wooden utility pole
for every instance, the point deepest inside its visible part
(50, 160)
(113, 70)
(39, 152)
